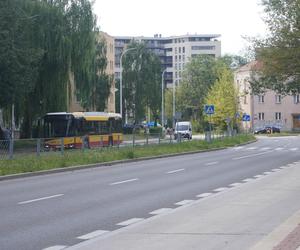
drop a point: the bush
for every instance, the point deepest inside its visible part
(155, 130)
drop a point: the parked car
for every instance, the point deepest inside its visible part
(267, 130)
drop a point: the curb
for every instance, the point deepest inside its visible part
(111, 163)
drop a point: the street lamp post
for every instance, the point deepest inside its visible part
(162, 98)
(121, 86)
(173, 104)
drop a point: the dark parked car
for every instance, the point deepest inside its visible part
(267, 130)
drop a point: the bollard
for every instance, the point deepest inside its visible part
(38, 147)
(62, 146)
(11, 148)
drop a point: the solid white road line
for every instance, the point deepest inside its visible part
(57, 247)
(92, 235)
(161, 211)
(40, 199)
(184, 202)
(130, 221)
(253, 155)
(211, 163)
(235, 184)
(220, 189)
(175, 171)
(122, 182)
(203, 195)
(294, 149)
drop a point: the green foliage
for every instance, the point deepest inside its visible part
(280, 52)
(223, 95)
(42, 44)
(141, 81)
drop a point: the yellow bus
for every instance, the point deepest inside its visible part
(82, 129)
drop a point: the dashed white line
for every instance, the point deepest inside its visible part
(40, 199)
(235, 184)
(247, 180)
(251, 148)
(265, 173)
(130, 221)
(294, 149)
(175, 171)
(275, 169)
(211, 163)
(122, 182)
(220, 189)
(279, 149)
(248, 156)
(184, 202)
(265, 148)
(57, 247)
(92, 235)
(258, 176)
(203, 195)
(160, 211)
(237, 148)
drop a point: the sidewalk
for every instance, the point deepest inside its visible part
(262, 214)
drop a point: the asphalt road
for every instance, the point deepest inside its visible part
(67, 208)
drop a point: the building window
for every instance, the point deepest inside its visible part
(179, 50)
(277, 115)
(277, 98)
(296, 99)
(203, 47)
(176, 74)
(261, 98)
(183, 58)
(175, 58)
(180, 74)
(175, 50)
(179, 58)
(183, 49)
(261, 116)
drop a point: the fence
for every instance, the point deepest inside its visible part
(11, 149)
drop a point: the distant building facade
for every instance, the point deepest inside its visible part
(174, 52)
(110, 70)
(268, 109)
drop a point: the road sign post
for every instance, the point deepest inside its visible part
(209, 110)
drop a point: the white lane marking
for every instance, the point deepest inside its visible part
(267, 173)
(184, 202)
(203, 195)
(265, 148)
(247, 180)
(295, 162)
(161, 211)
(294, 149)
(258, 176)
(279, 149)
(283, 167)
(121, 182)
(130, 221)
(220, 189)
(237, 148)
(57, 247)
(211, 163)
(235, 184)
(248, 156)
(275, 170)
(40, 199)
(175, 171)
(92, 235)
(251, 148)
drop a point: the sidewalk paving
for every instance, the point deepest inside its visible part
(262, 214)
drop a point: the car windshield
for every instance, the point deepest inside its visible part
(182, 127)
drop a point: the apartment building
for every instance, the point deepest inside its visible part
(110, 70)
(174, 52)
(268, 109)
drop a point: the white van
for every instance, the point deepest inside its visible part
(184, 129)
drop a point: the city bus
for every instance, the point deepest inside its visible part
(82, 129)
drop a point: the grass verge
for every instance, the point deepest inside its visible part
(32, 163)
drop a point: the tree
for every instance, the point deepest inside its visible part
(199, 76)
(141, 81)
(280, 52)
(223, 95)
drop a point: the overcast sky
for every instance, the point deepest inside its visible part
(232, 19)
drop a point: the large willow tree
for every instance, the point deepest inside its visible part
(43, 43)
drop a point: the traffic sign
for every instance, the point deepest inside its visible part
(209, 109)
(246, 118)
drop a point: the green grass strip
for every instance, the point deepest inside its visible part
(52, 160)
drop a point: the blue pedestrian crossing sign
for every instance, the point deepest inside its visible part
(209, 109)
(246, 118)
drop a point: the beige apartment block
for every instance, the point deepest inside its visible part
(110, 70)
(268, 109)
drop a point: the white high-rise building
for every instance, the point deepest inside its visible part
(174, 51)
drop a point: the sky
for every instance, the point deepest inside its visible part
(232, 19)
